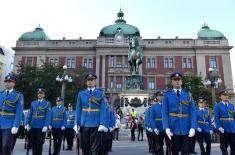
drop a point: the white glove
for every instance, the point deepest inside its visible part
(44, 129)
(102, 128)
(110, 129)
(191, 132)
(211, 132)
(221, 129)
(76, 128)
(199, 129)
(106, 129)
(27, 127)
(169, 133)
(150, 129)
(14, 130)
(63, 128)
(50, 127)
(156, 131)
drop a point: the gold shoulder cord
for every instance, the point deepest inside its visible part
(96, 99)
(185, 102)
(11, 104)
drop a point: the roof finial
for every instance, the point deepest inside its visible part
(39, 25)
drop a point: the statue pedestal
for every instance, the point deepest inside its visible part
(135, 83)
(134, 99)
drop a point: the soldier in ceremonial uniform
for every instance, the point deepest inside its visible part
(38, 120)
(110, 124)
(149, 130)
(156, 124)
(11, 109)
(204, 127)
(178, 115)
(58, 123)
(91, 116)
(224, 122)
(69, 131)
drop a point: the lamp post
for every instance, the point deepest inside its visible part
(64, 79)
(213, 80)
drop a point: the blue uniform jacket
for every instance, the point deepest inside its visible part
(147, 118)
(58, 117)
(39, 114)
(110, 117)
(204, 120)
(224, 117)
(91, 108)
(11, 109)
(156, 116)
(178, 114)
(71, 118)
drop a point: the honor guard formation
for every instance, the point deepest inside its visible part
(173, 118)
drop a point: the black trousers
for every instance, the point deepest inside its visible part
(37, 139)
(107, 141)
(180, 143)
(90, 140)
(192, 143)
(150, 137)
(57, 134)
(201, 138)
(158, 143)
(70, 134)
(140, 132)
(115, 133)
(132, 134)
(225, 140)
(6, 141)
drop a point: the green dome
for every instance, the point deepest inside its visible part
(120, 25)
(38, 34)
(207, 33)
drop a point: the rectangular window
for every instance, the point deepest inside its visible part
(111, 84)
(151, 62)
(88, 62)
(29, 61)
(111, 61)
(187, 63)
(168, 62)
(71, 62)
(54, 61)
(213, 62)
(119, 86)
(118, 61)
(151, 83)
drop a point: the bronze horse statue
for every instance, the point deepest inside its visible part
(135, 56)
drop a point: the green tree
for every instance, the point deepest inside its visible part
(32, 77)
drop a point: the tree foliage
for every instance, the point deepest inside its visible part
(32, 77)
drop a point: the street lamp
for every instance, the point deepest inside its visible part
(64, 79)
(213, 80)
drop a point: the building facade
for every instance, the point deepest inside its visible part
(6, 64)
(107, 55)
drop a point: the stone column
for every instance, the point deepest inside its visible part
(103, 71)
(98, 70)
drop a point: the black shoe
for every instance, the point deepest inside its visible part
(193, 152)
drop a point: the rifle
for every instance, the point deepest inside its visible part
(63, 138)
(77, 136)
(26, 139)
(49, 132)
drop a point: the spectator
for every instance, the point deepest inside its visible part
(133, 127)
(134, 113)
(117, 127)
(140, 128)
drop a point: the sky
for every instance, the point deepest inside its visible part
(85, 18)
